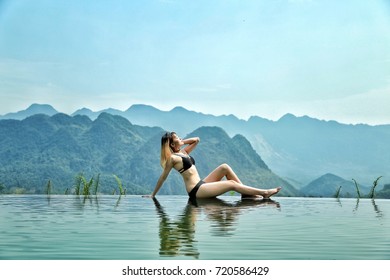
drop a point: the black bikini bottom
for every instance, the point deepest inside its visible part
(193, 192)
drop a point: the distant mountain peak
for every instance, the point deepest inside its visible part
(254, 118)
(287, 117)
(33, 109)
(141, 107)
(330, 175)
(38, 106)
(212, 131)
(179, 108)
(82, 111)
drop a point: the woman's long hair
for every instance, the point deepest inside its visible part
(166, 151)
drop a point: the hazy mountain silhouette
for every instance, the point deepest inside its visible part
(33, 109)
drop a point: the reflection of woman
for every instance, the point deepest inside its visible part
(173, 156)
(177, 238)
(224, 214)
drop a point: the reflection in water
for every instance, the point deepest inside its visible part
(357, 205)
(224, 215)
(177, 237)
(379, 213)
(106, 227)
(118, 201)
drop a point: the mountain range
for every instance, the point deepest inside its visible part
(298, 149)
(40, 148)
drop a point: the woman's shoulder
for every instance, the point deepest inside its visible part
(175, 157)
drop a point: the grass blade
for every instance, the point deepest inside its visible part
(78, 181)
(96, 187)
(374, 184)
(357, 188)
(48, 187)
(122, 191)
(337, 194)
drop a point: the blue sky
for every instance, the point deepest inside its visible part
(327, 59)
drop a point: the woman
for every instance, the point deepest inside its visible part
(174, 156)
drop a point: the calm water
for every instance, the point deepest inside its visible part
(132, 227)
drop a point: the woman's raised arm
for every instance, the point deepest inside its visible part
(191, 142)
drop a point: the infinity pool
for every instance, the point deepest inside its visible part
(132, 227)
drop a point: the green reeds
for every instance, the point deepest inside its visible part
(337, 194)
(357, 188)
(84, 187)
(372, 191)
(96, 186)
(87, 186)
(48, 188)
(122, 191)
(77, 185)
(374, 185)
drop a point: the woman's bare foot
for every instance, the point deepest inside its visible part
(271, 192)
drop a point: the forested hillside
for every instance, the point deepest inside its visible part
(58, 148)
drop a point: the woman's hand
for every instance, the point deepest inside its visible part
(192, 142)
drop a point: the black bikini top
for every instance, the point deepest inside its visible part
(188, 161)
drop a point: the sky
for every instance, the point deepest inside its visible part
(327, 59)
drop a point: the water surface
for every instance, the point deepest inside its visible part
(132, 227)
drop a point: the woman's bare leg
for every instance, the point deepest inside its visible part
(224, 170)
(213, 189)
